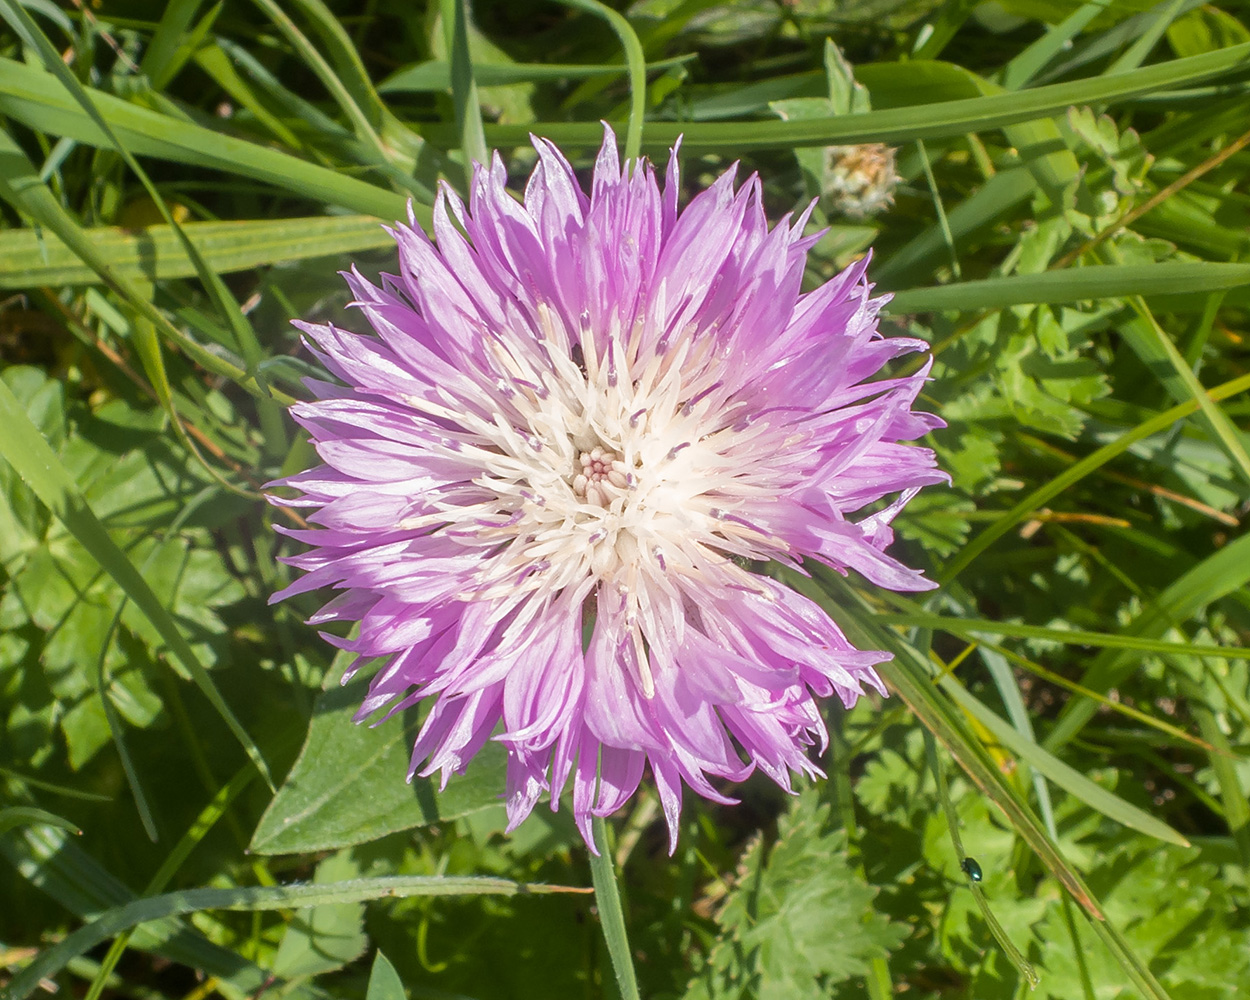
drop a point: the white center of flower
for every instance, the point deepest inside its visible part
(600, 476)
(626, 464)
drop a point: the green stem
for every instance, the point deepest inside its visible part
(611, 917)
(952, 820)
(636, 63)
(463, 87)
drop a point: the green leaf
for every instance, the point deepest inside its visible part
(848, 96)
(29, 454)
(798, 920)
(279, 897)
(324, 938)
(1074, 285)
(36, 99)
(384, 982)
(348, 787)
(29, 257)
(893, 125)
(13, 816)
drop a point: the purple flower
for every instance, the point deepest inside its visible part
(580, 419)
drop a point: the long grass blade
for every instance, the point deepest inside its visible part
(894, 125)
(253, 899)
(35, 462)
(1078, 471)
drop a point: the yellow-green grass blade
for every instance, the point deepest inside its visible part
(24, 448)
(975, 627)
(1078, 470)
(254, 899)
(20, 187)
(34, 98)
(1223, 572)
(1063, 775)
(29, 258)
(1155, 348)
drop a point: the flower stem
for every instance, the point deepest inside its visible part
(611, 917)
(636, 64)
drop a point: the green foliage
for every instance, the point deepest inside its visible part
(343, 763)
(1069, 240)
(798, 920)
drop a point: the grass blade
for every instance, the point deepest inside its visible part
(975, 627)
(30, 96)
(1078, 471)
(611, 916)
(35, 462)
(29, 258)
(1079, 284)
(1066, 777)
(636, 63)
(893, 125)
(1222, 573)
(282, 897)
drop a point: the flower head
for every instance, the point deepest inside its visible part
(577, 422)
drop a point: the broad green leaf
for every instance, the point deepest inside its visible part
(348, 785)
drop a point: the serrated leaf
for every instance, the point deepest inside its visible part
(800, 920)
